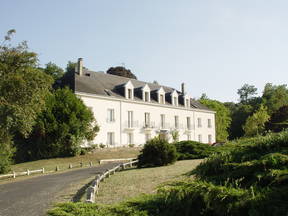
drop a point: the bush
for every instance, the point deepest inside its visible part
(157, 152)
(6, 151)
(193, 150)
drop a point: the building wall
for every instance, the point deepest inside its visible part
(101, 104)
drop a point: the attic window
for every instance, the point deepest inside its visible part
(175, 101)
(187, 103)
(129, 93)
(161, 98)
(146, 96)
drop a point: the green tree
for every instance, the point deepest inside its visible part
(53, 70)
(255, 124)
(222, 118)
(246, 92)
(71, 66)
(121, 71)
(275, 96)
(23, 88)
(60, 129)
(278, 120)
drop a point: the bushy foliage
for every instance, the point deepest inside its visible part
(6, 151)
(157, 152)
(121, 71)
(60, 128)
(278, 120)
(193, 150)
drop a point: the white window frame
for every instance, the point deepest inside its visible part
(200, 138)
(209, 138)
(176, 122)
(162, 121)
(199, 122)
(130, 138)
(209, 122)
(130, 119)
(110, 115)
(147, 122)
(110, 138)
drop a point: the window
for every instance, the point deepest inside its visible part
(188, 123)
(130, 119)
(110, 138)
(110, 115)
(162, 121)
(175, 101)
(188, 136)
(130, 138)
(176, 122)
(146, 97)
(199, 122)
(199, 138)
(209, 138)
(129, 93)
(147, 137)
(147, 119)
(209, 123)
(162, 99)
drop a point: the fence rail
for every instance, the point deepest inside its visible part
(93, 189)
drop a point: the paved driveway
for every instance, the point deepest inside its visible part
(33, 196)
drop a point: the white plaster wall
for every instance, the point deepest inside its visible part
(100, 105)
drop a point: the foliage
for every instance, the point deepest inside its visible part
(255, 124)
(23, 88)
(53, 70)
(157, 152)
(278, 120)
(222, 118)
(193, 150)
(121, 71)
(70, 68)
(246, 92)
(60, 128)
(275, 96)
(175, 135)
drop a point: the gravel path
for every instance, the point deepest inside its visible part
(33, 196)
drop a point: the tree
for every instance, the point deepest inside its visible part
(60, 129)
(246, 92)
(255, 124)
(70, 68)
(23, 88)
(275, 96)
(121, 71)
(278, 120)
(53, 70)
(222, 118)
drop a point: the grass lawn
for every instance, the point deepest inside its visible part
(63, 163)
(130, 183)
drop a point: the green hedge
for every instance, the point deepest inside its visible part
(193, 150)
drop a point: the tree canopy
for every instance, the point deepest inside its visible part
(121, 71)
(53, 70)
(246, 92)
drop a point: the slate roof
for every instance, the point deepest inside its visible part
(109, 85)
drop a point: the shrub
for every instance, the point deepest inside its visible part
(157, 152)
(6, 151)
(193, 150)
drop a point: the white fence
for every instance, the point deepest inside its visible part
(94, 187)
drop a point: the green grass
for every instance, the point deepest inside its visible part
(130, 183)
(63, 163)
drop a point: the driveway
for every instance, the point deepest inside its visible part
(33, 196)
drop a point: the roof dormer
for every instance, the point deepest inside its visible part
(161, 95)
(146, 93)
(174, 98)
(186, 101)
(129, 90)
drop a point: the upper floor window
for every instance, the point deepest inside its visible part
(162, 121)
(130, 119)
(147, 119)
(209, 123)
(110, 115)
(176, 119)
(199, 122)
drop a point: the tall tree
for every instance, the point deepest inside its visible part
(60, 129)
(255, 124)
(53, 70)
(223, 118)
(121, 71)
(23, 88)
(275, 96)
(278, 120)
(246, 92)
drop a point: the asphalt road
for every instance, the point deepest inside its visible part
(33, 196)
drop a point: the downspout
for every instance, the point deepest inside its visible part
(120, 123)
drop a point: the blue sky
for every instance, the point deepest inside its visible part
(214, 46)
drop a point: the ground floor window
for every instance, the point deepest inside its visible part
(147, 137)
(188, 136)
(130, 138)
(209, 138)
(110, 138)
(199, 138)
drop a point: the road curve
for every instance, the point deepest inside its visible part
(33, 196)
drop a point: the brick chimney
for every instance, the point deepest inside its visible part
(183, 88)
(80, 66)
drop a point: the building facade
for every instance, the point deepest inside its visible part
(130, 111)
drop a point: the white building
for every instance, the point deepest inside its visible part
(129, 111)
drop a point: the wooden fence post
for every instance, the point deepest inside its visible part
(14, 174)
(90, 163)
(28, 172)
(57, 168)
(43, 170)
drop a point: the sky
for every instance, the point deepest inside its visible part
(214, 46)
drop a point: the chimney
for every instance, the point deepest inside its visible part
(183, 88)
(80, 66)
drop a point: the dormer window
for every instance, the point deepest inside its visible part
(186, 101)
(146, 93)
(161, 96)
(174, 98)
(129, 90)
